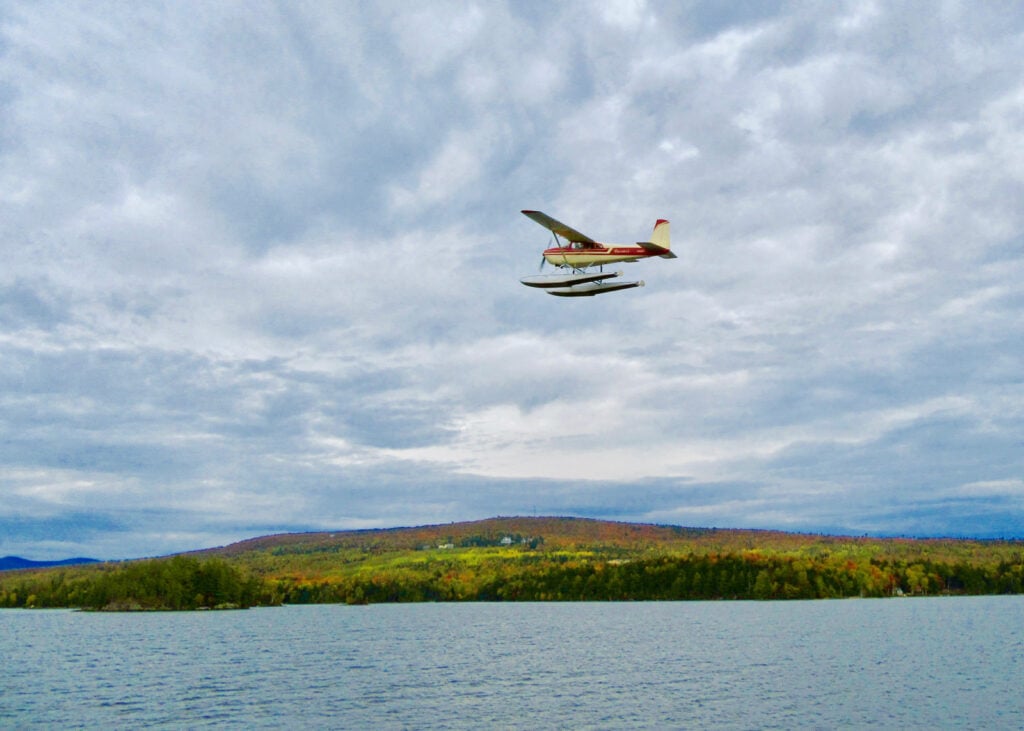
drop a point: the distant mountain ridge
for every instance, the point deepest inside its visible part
(17, 562)
(553, 531)
(564, 531)
(527, 559)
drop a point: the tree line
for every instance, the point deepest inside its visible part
(515, 572)
(664, 578)
(180, 582)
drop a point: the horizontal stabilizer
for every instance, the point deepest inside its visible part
(655, 249)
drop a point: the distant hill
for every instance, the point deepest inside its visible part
(552, 531)
(17, 562)
(530, 559)
(568, 533)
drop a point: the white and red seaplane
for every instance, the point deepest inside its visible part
(579, 253)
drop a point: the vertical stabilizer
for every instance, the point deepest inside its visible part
(660, 237)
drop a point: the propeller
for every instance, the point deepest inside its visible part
(554, 242)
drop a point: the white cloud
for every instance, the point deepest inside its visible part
(437, 35)
(456, 166)
(1000, 488)
(270, 259)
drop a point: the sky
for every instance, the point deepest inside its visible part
(261, 261)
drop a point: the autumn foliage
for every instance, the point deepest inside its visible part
(534, 559)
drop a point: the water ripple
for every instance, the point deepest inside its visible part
(911, 663)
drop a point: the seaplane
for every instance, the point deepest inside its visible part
(579, 254)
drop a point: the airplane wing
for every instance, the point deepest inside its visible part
(559, 228)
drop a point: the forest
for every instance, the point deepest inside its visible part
(175, 583)
(529, 559)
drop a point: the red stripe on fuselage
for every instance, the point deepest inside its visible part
(589, 256)
(591, 251)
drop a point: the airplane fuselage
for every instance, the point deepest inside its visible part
(583, 257)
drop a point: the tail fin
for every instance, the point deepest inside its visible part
(659, 243)
(660, 237)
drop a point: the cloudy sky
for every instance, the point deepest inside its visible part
(260, 268)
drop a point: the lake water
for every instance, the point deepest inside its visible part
(890, 663)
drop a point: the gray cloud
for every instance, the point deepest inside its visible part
(261, 268)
